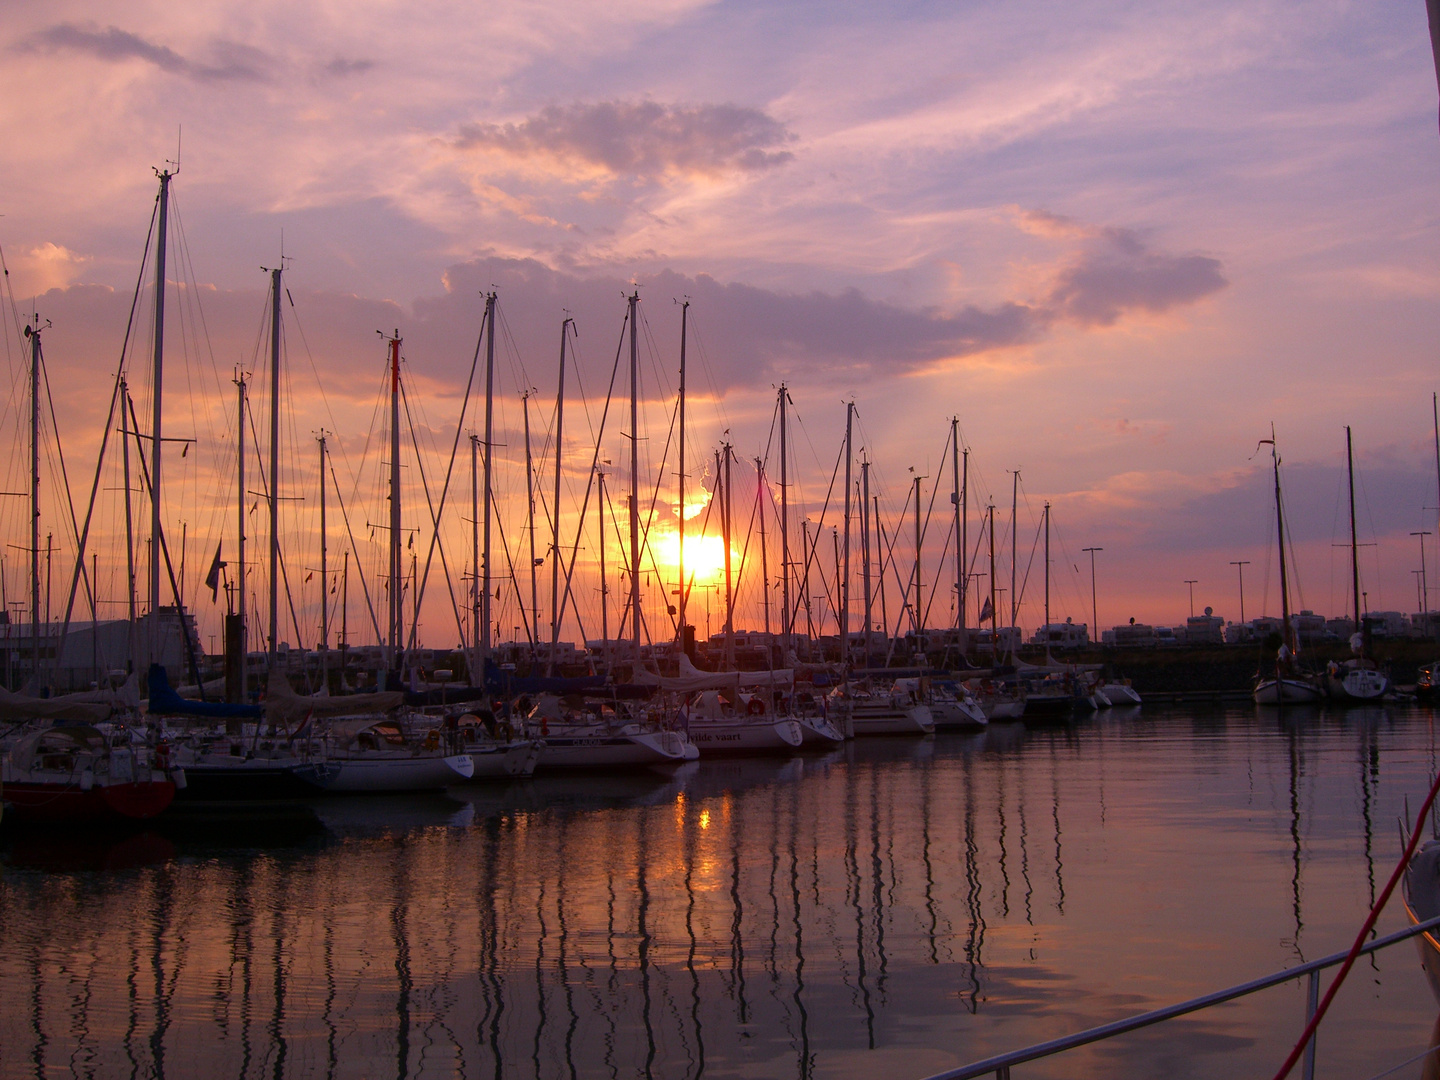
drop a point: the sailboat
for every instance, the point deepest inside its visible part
(602, 733)
(73, 771)
(1357, 679)
(1422, 903)
(78, 773)
(1284, 684)
(1427, 682)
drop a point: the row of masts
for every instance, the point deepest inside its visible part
(872, 534)
(483, 494)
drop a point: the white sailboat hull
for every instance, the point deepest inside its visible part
(402, 771)
(745, 736)
(998, 707)
(957, 713)
(606, 751)
(506, 762)
(818, 731)
(892, 720)
(1119, 695)
(1422, 903)
(1286, 692)
(1359, 684)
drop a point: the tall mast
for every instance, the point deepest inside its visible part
(555, 508)
(274, 466)
(965, 534)
(604, 583)
(1354, 547)
(785, 622)
(880, 565)
(717, 499)
(1047, 565)
(634, 480)
(156, 416)
(994, 609)
(960, 538)
(240, 519)
(344, 609)
(532, 624)
(475, 551)
(684, 591)
(487, 491)
(33, 332)
(865, 547)
(845, 570)
(324, 566)
(397, 609)
(806, 547)
(1280, 532)
(130, 524)
(919, 609)
(1014, 555)
(764, 555)
(725, 508)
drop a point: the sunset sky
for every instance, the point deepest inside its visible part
(1117, 240)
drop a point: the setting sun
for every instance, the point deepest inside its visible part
(704, 556)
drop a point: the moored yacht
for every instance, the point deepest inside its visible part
(1282, 683)
(950, 704)
(881, 712)
(743, 726)
(1358, 679)
(601, 738)
(1120, 694)
(78, 773)
(374, 755)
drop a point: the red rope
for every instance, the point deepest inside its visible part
(1364, 933)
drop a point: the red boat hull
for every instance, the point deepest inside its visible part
(67, 802)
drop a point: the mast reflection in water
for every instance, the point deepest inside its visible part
(898, 907)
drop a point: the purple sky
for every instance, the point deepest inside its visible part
(1117, 240)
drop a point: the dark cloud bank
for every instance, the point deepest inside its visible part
(1117, 273)
(641, 138)
(228, 61)
(750, 335)
(754, 335)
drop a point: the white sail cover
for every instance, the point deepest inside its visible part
(124, 696)
(284, 705)
(692, 678)
(24, 707)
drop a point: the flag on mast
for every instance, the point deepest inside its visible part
(212, 579)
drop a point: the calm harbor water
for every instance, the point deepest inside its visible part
(893, 908)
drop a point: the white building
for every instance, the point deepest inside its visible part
(1066, 635)
(91, 652)
(1134, 636)
(1207, 629)
(1386, 624)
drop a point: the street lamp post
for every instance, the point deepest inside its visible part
(1094, 606)
(1242, 563)
(1192, 583)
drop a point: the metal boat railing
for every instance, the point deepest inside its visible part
(1001, 1064)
